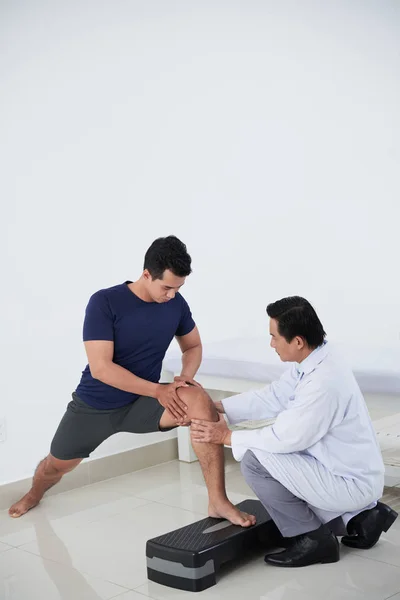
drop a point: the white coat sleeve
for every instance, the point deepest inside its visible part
(306, 421)
(261, 404)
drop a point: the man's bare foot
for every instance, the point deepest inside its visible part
(22, 506)
(228, 511)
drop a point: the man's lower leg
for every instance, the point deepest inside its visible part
(211, 459)
(45, 477)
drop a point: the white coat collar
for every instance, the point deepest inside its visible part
(315, 358)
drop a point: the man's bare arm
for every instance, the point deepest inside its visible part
(191, 348)
(100, 355)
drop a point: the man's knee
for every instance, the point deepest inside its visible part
(199, 403)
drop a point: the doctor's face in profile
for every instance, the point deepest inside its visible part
(287, 351)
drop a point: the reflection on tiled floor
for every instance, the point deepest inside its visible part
(89, 544)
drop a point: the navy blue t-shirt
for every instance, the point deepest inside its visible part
(141, 332)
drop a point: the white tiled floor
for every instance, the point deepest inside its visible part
(89, 544)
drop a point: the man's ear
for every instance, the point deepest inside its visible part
(300, 342)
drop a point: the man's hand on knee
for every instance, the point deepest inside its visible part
(168, 398)
(188, 380)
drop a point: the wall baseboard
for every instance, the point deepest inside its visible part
(98, 469)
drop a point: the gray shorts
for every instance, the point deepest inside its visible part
(83, 428)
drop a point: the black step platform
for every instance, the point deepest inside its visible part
(188, 558)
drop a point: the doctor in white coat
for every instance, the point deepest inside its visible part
(319, 466)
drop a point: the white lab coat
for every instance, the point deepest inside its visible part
(322, 446)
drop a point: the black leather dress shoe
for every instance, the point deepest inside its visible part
(319, 546)
(366, 528)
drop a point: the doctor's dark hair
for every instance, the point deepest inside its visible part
(167, 253)
(296, 316)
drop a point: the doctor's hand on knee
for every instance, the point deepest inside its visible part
(210, 432)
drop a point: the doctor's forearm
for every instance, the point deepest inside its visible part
(247, 405)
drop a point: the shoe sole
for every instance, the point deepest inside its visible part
(323, 561)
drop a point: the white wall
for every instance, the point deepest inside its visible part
(265, 134)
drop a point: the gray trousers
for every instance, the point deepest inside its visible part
(291, 515)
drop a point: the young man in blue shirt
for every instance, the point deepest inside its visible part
(127, 331)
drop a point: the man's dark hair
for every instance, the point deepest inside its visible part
(167, 253)
(296, 316)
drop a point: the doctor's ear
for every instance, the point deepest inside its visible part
(300, 342)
